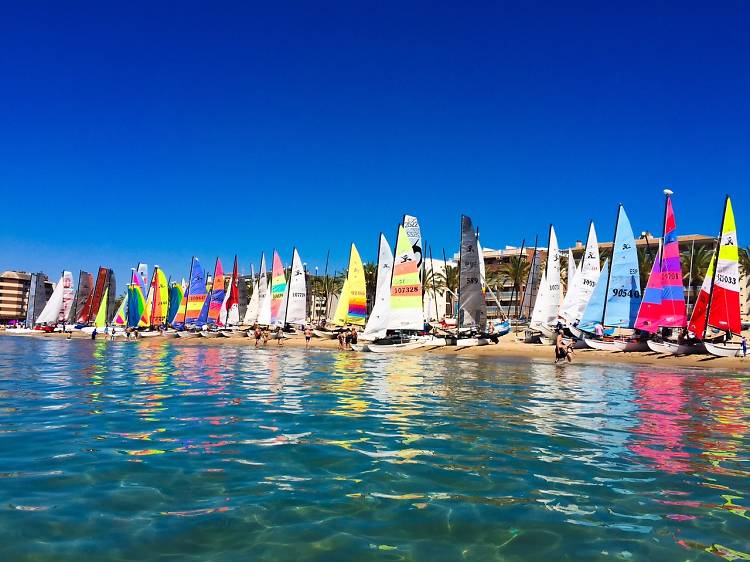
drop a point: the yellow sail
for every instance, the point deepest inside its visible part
(161, 299)
(101, 315)
(357, 306)
(342, 308)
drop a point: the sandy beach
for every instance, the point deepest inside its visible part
(508, 346)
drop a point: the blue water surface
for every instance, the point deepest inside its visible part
(173, 451)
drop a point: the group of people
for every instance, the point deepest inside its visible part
(347, 338)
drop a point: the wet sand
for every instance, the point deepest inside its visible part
(509, 346)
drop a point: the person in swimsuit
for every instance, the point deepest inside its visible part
(561, 350)
(279, 336)
(308, 336)
(258, 334)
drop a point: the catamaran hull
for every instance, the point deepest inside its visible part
(674, 348)
(394, 347)
(150, 334)
(208, 334)
(471, 342)
(187, 335)
(602, 345)
(325, 334)
(631, 345)
(724, 349)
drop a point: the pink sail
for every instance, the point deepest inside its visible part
(673, 314)
(650, 312)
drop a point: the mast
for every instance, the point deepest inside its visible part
(612, 263)
(434, 292)
(187, 294)
(154, 284)
(460, 254)
(515, 277)
(291, 271)
(716, 266)
(530, 285)
(690, 273)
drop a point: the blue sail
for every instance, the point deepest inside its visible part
(594, 311)
(196, 297)
(202, 319)
(624, 295)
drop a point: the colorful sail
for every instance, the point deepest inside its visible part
(342, 307)
(651, 310)
(724, 308)
(100, 321)
(357, 310)
(406, 311)
(377, 323)
(278, 289)
(296, 301)
(230, 312)
(136, 305)
(216, 296)
(176, 294)
(158, 300)
(121, 315)
(195, 296)
(624, 294)
(673, 310)
(592, 314)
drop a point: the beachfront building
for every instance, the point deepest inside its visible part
(17, 290)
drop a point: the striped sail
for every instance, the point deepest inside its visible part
(342, 307)
(296, 306)
(357, 309)
(673, 310)
(724, 308)
(83, 294)
(406, 289)
(100, 321)
(176, 294)
(230, 312)
(624, 296)
(136, 305)
(278, 288)
(161, 298)
(216, 298)
(121, 315)
(697, 325)
(195, 295)
(377, 323)
(652, 306)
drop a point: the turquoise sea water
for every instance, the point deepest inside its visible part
(159, 451)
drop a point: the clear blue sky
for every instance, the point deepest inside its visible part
(154, 131)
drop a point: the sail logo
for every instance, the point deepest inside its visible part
(626, 246)
(590, 255)
(405, 258)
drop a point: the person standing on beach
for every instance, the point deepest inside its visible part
(353, 338)
(341, 340)
(599, 330)
(93, 334)
(308, 336)
(744, 346)
(561, 351)
(279, 336)
(257, 333)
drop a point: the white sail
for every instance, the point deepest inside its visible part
(377, 323)
(583, 284)
(51, 311)
(296, 305)
(264, 295)
(572, 268)
(223, 313)
(414, 233)
(541, 304)
(482, 270)
(548, 300)
(251, 313)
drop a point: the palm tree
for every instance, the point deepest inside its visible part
(645, 261)
(371, 282)
(513, 272)
(701, 259)
(434, 280)
(745, 262)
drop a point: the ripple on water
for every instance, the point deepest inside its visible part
(142, 452)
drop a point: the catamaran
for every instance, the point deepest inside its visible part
(717, 308)
(186, 322)
(621, 295)
(351, 308)
(57, 309)
(547, 304)
(581, 286)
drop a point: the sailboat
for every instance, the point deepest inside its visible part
(547, 303)
(472, 310)
(296, 293)
(351, 308)
(404, 315)
(718, 306)
(54, 311)
(186, 320)
(264, 295)
(208, 320)
(253, 306)
(622, 292)
(377, 323)
(581, 287)
(99, 307)
(278, 292)
(229, 317)
(154, 317)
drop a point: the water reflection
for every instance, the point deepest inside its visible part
(284, 453)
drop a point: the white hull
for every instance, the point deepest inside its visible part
(185, 334)
(471, 342)
(154, 334)
(674, 348)
(361, 347)
(724, 349)
(601, 345)
(205, 334)
(631, 345)
(231, 334)
(576, 332)
(19, 332)
(390, 348)
(325, 334)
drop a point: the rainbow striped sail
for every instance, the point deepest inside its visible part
(136, 305)
(406, 289)
(673, 313)
(195, 296)
(101, 315)
(176, 294)
(278, 290)
(121, 316)
(357, 311)
(216, 298)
